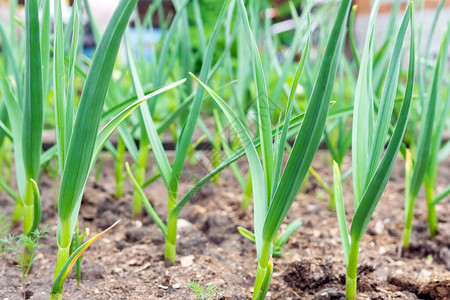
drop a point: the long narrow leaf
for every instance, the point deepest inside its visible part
(15, 119)
(387, 101)
(151, 131)
(59, 87)
(442, 195)
(151, 211)
(58, 284)
(378, 182)
(438, 128)
(265, 126)
(10, 59)
(82, 144)
(426, 131)
(70, 96)
(363, 111)
(288, 114)
(340, 209)
(311, 130)
(33, 112)
(188, 130)
(37, 205)
(258, 181)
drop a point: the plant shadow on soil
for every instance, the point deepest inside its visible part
(128, 263)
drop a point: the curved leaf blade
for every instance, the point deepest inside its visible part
(379, 180)
(58, 283)
(311, 130)
(33, 118)
(84, 136)
(258, 181)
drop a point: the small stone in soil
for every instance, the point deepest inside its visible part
(184, 224)
(187, 261)
(118, 271)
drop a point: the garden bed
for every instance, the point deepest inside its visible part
(128, 262)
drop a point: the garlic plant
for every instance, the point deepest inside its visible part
(372, 169)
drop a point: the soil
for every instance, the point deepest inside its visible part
(128, 263)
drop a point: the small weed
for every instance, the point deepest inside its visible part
(5, 224)
(16, 243)
(4, 227)
(203, 293)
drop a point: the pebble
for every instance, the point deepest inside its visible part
(382, 250)
(176, 286)
(379, 227)
(118, 271)
(182, 224)
(187, 261)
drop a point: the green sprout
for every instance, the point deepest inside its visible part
(17, 244)
(203, 293)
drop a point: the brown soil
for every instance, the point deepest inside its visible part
(128, 262)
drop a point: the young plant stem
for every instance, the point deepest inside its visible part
(409, 211)
(28, 209)
(171, 238)
(18, 209)
(28, 217)
(63, 247)
(266, 282)
(352, 267)
(263, 270)
(62, 256)
(432, 219)
(409, 204)
(56, 296)
(140, 175)
(118, 168)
